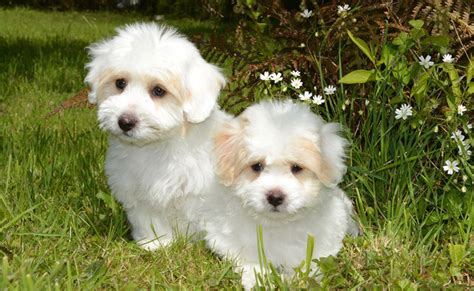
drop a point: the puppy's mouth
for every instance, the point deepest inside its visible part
(275, 209)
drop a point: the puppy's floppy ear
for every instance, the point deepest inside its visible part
(229, 150)
(332, 148)
(203, 82)
(95, 69)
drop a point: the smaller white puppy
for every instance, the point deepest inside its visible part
(280, 165)
(156, 98)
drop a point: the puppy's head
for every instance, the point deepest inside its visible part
(148, 81)
(277, 156)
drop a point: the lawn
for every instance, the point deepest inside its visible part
(61, 229)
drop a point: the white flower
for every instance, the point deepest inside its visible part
(403, 112)
(343, 9)
(425, 62)
(461, 109)
(296, 83)
(276, 77)
(451, 167)
(463, 189)
(367, 102)
(469, 125)
(295, 73)
(464, 178)
(447, 58)
(302, 45)
(457, 135)
(265, 76)
(318, 100)
(306, 13)
(464, 148)
(330, 90)
(305, 96)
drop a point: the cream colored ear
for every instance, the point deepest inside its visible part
(324, 155)
(229, 151)
(203, 83)
(333, 147)
(98, 53)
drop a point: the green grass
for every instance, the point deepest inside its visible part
(60, 229)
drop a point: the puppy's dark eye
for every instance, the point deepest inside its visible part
(257, 168)
(120, 84)
(295, 169)
(157, 91)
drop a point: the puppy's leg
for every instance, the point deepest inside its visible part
(248, 274)
(150, 229)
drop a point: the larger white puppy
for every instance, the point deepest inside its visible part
(282, 164)
(156, 97)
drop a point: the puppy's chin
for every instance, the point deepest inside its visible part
(134, 139)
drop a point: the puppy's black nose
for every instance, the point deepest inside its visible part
(126, 122)
(275, 197)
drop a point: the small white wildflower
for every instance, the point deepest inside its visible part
(464, 148)
(343, 9)
(347, 102)
(306, 13)
(265, 76)
(461, 109)
(302, 45)
(463, 189)
(469, 125)
(464, 178)
(447, 58)
(295, 73)
(457, 135)
(330, 90)
(305, 96)
(343, 107)
(425, 62)
(451, 167)
(403, 112)
(318, 100)
(276, 77)
(367, 102)
(296, 83)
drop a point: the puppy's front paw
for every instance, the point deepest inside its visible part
(248, 275)
(154, 244)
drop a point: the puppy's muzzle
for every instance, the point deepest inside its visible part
(127, 122)
(275, 197)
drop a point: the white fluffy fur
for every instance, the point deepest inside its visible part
(154, 168)
(313, 203)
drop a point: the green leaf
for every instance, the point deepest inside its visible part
(420, 88)
(358, 77)
(418, 24)
(470, 71)
(388, 55)
(363, 46)
(456, 253)
(436, 40)
(401, 39)
(309, 254)
(454, 78)
(470, 88)
(108, 200)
